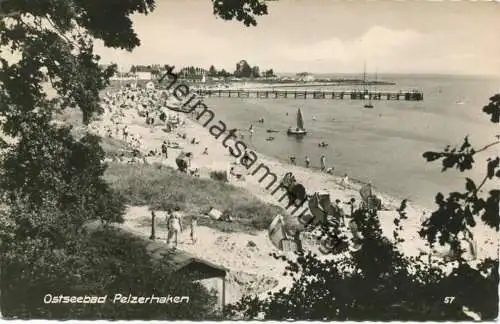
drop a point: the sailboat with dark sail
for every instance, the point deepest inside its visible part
(299, 130)
(366, 92)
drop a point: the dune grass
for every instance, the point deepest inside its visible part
(162, 187)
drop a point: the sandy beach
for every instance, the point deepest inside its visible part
(252, 270)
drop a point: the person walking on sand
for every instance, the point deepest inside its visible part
(339, 211)
(164, 149)
(174, 226)
(307, 161)
(345, 181)
(125, 133)
(194, 223)
(353, 206)
(323, 163)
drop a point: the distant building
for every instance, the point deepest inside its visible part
(305, 77)
(309, 78)
(143, 75)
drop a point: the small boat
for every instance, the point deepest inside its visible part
(299, 130)
(272, 131)
(369, 104)
(323, 144)
(270, 138)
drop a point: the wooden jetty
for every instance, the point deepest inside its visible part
(413, 95)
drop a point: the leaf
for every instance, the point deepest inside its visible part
(466, 144)
(470, 186)
(491, 215)
(492, 165)
(449, 162)
(493, 108)
(431, 156)
(469, 218)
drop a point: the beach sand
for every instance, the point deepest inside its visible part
(253, 267)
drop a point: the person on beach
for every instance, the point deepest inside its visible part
(345, 181)
(205, 151)
(329, 170)
(292, 159)
(339, 211)
(307, 161)
(193, 224)
(323, 163)
(174, 226)
(164, 149)
(353, 206)
(183, 161)
(125, 133)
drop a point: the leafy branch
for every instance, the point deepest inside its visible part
(456, 214)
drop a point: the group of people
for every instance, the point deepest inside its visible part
(149, 103)
(307, 162)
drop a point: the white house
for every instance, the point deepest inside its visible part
(143, 75)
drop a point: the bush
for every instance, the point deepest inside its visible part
(219, 175)
(377, 283)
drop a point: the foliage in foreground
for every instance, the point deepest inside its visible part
(379, 283)
(104, 262)
(163, 188)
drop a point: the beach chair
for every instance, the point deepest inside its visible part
(215, 214)
(277, 232)
(289, 245)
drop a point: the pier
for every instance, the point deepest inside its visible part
(413, 95)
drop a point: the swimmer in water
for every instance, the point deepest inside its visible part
(314, 117)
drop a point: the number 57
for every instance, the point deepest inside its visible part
(449, 300)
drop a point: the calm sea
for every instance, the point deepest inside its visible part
(383, 145)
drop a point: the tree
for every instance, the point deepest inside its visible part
(379, 283)
(269, 73)
(243, 70)
(51, 181)
(255, 72)
(223, 73)
(212, 71)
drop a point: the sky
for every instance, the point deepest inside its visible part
(323, 36)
